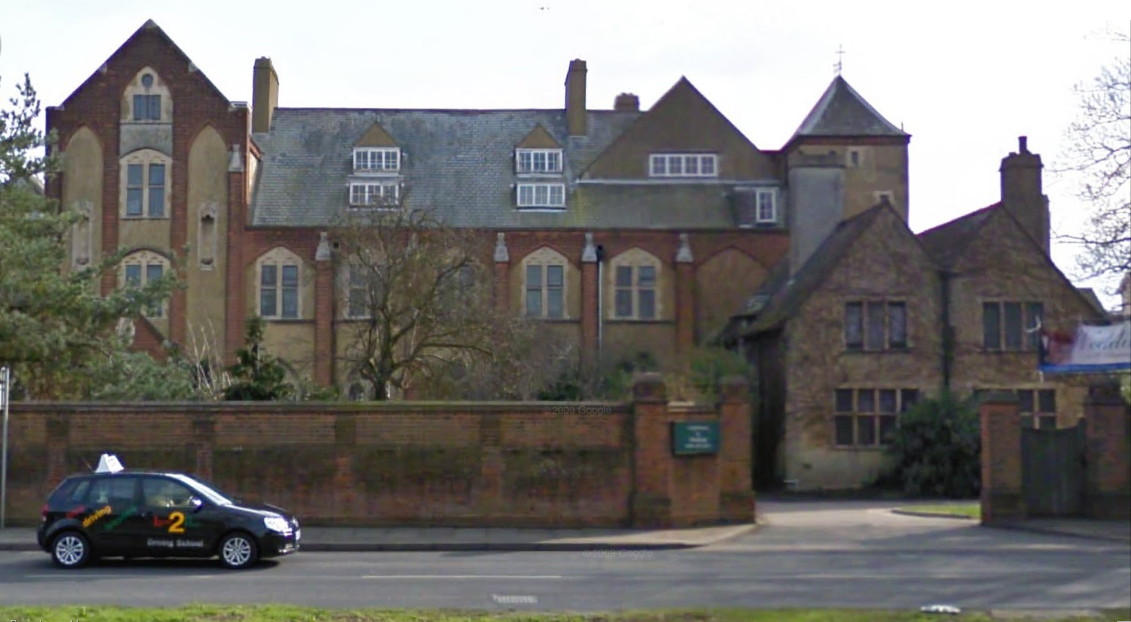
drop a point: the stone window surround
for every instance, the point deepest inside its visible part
(146, 158)
(635, 258)
(156, 88)
(144, 260)
(545, 257)
(876, 413)
(1030, 314)
(888, 340)
(281, 258)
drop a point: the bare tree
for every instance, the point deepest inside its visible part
(1100, 153)
(418, 299)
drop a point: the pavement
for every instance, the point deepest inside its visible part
(411, 539)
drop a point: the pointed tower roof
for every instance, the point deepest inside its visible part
(841, 111)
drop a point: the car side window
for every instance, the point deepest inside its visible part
(113, 491)
(159, 492)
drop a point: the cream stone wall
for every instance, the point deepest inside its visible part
(206, 268)
(82, 189)
(879, 168)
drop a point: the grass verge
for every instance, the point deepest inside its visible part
(280, 613)
(972, 510)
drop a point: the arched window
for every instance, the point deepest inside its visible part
(545, 284)
(635, 285)
(278, 274)
(147, 99)
(141, 268)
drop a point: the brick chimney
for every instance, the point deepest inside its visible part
(576, 115)
(1021, 192)
(627, 102)
(264, 95)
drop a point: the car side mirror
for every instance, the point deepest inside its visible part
(197, 503)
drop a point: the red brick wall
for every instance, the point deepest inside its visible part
(483, 464)
(1107, 457)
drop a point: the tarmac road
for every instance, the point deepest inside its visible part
(806, 554)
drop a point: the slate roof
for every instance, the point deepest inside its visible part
(841, 111)
(461, 164)
(792, 292)
(947, 242)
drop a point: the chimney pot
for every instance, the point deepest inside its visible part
(627, 102)
(1023, 144)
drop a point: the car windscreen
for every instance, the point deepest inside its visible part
(209, 493)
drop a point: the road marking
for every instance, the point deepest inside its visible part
(465, 577)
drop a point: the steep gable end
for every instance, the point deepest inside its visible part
(149, 46)
(376, 136)
(795, 290)
(682, 121)
(538, 138)
(1001, 246)
(946, 242)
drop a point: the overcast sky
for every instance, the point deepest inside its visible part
(965, 79)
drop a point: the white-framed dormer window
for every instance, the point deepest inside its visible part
(538, 160)
(683, 165)
(767, 206)
(369, 194)
(541, 195)
(377, 160)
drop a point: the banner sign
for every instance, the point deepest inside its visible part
(1092, 349)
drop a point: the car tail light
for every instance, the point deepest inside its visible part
(43, 512)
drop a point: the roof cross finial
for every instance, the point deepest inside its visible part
(839, 66)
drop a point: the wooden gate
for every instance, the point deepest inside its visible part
(1052, 471)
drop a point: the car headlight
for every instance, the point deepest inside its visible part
(276, 523)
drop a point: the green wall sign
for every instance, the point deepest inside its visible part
(695, 437)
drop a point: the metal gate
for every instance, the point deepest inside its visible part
(1052, 471)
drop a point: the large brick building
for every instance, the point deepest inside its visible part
(625, 230)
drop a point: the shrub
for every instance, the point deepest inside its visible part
(937, 449)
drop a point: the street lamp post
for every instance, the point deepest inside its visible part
(5, 391)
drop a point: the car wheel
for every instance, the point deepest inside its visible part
(238, 551)
(70, 549)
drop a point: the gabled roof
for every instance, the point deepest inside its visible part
(841, 111)
(150, 27)
(376, 136)
(947, 242)
(538, 138)
(792, 292)
(682, 119)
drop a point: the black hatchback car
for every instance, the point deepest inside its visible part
(159, 514)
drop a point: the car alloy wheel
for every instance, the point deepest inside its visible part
(70, 550)
(238, 550)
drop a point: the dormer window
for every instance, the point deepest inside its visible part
(377, 160)
(538, 160)
(541, 195)
(683, 165)
(374, 194)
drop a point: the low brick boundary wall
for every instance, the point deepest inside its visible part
(527, 464)
(1107, 457)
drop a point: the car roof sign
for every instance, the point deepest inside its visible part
(108, 463)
